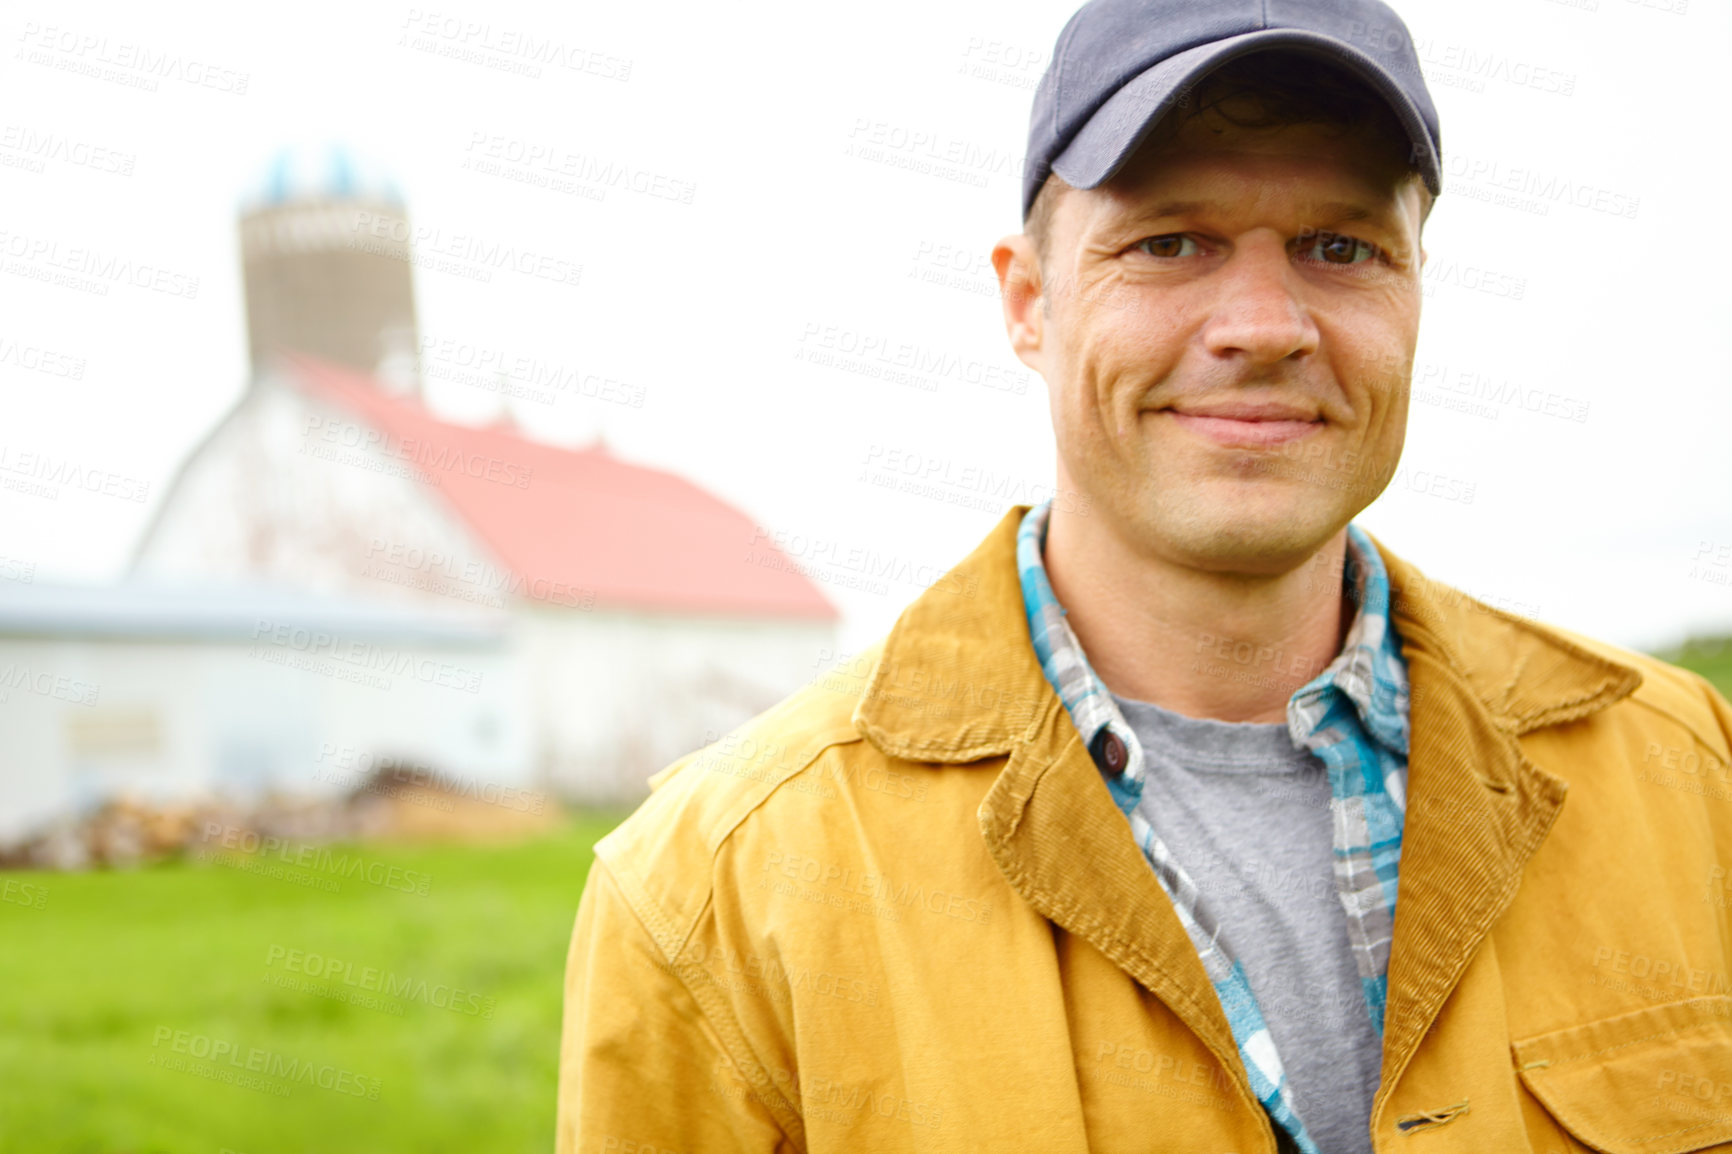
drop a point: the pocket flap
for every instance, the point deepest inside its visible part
(1656, 1081)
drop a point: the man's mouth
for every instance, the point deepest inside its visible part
(1247, 425)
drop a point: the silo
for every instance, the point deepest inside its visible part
(326, 264)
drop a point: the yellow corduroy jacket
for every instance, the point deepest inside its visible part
(899, 913)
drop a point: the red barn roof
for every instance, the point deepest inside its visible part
(638, 538)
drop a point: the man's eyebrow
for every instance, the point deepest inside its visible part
(1177, 208)
(1345, 211)
(1339, 211)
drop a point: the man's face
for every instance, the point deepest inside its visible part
(1227, 332)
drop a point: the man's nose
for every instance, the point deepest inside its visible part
(1258, 315)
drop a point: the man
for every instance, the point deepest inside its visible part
(1100, 849)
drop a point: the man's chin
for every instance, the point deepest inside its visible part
(1256, 532)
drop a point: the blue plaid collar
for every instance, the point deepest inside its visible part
(1369, 671)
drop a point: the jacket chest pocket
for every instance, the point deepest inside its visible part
(1656, 1081)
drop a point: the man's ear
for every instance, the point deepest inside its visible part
(1020, 291)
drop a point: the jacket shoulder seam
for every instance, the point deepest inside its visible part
(826, 742)
(714, 834)
(1704, 694)
(733, 1042)
(1686, 725)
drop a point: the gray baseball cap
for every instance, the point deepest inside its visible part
(1119, 65)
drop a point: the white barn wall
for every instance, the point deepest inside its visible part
(228, 721)
(618, 695)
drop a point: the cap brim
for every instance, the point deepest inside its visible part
(1112, 134)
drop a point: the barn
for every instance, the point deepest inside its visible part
(339, 578)
(638, 608)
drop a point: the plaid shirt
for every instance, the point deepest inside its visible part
(1352, 717)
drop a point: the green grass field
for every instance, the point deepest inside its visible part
(115, 987)
(201, 1007)
(1711, 657)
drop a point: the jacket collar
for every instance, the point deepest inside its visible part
(958, 680)
(1525, 675)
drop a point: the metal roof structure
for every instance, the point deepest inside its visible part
(149, 610)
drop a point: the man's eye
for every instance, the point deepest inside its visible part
(1173, 244)
(1333, 248)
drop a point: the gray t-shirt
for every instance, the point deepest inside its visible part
(1247, 817)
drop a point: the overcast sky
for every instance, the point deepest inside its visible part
(805, 181)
